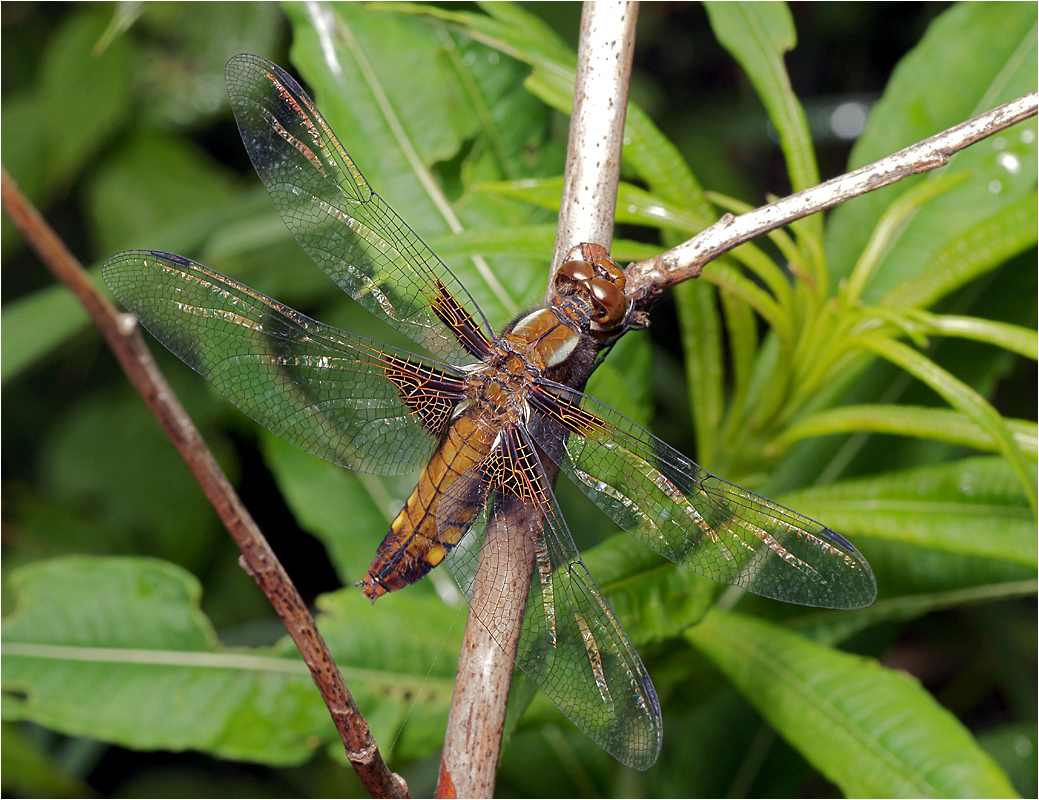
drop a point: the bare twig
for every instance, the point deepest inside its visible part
(473, 740)
(593, 155)
(122, 334)
(647, 279)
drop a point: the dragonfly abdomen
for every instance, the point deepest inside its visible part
(450, 493)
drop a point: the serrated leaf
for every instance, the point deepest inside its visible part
(872, 731)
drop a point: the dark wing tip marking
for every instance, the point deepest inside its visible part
(837, 539)
(180, 261)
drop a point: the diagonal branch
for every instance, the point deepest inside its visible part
(648, 279)
(122, 334)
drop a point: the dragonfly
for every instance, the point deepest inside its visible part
(485, 418)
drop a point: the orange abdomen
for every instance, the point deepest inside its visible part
(414, 544)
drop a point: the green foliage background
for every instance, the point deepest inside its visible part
(874, 370)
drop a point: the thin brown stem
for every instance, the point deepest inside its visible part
(122, 334)
(475, 726)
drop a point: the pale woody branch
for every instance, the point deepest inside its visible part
(647, 279)
(473, 741)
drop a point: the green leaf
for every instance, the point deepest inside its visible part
(959, 396)
(348, 511)
(532, 241)
(1015, 749)
(903, 420)
(966, 506)
(83, 501)
(660, 164)
(828, 627)
(58, 127)
(34, 326)
(397, 135)
(506, 27)
(29, 771)
(154, 181)
(399, 659)
(653, 599)
(884, 735)
(974, 57)
(646, 150)
(88, 94)
(979, 249)
(758, 35)
(117, 649)
(1010, 337)
(634, 205)
(695, 302)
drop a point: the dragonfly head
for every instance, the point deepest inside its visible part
(597, 281)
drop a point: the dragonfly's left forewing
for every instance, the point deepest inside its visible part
(694, 518)
(336, 216)
(571, 645)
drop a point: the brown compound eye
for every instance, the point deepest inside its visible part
(609, 302)
(607, 270)
(576, 271)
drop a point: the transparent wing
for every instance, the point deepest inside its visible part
(347, 399)
(692, 517)
(341, 222)
(571, 644)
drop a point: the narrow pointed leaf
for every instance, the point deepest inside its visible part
(872, 731)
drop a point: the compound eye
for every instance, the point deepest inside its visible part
(576, 271)
(609, 301)
(607, 270)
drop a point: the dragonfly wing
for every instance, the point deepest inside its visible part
(694, 518)
(347, 399)
(571, 644)
(341, 222)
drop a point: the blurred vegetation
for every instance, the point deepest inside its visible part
(874, 370)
